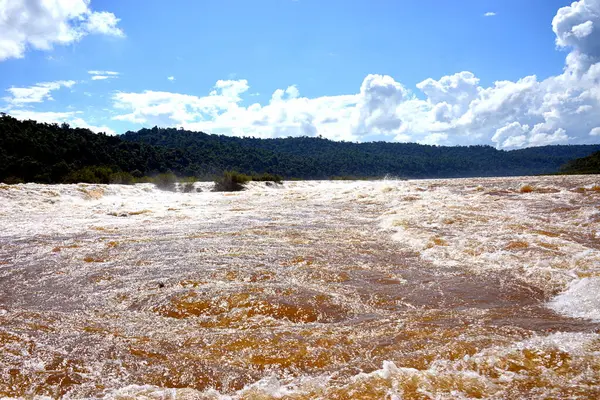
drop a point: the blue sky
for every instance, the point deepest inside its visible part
(438, 72)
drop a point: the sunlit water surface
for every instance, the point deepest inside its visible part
(434, 289)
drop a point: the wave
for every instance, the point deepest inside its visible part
(495, 372)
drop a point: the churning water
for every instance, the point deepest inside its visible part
(434, 289)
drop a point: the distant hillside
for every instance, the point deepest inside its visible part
(585, 165)
(37, 152)
(310, 157)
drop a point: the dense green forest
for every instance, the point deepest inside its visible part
(37, 152)
(310, 157)
(585, 165)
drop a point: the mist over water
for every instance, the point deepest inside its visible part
(441, 289)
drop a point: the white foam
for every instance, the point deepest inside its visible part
(144, 392)
(495, 228)
(580, 300)
(269, 387)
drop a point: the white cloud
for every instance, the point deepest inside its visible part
(171, 78)
(513, 142)
(286, 114)
(543, 139)
(35, 94)
(451, 95)
(22, 97)
(574, 27)
(595, 132)
(582, 30)
(489, 14)
(511, 135)
(41, 24)
(71, 117)
(97, 72)
(377, 106)
(434, 138)
(173, 107)
(103, 75)
(104, 23)
(230, 89)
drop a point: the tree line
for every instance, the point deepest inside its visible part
(53, 153)
(583, 166)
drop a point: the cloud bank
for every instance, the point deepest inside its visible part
(453, 109)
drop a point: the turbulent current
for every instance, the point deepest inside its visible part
(432, 289)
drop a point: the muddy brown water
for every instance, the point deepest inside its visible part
(299, 289)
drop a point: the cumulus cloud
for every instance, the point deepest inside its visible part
(575, 27)
(73, 118)
(451, 95)
(511, 135)
(171, 78)
(542, 138)
(582, 30)
(40, 24)
(287, 114)
(377, 106)
(104, 23)
(455, 110)
(35, 94)
(166, 107)
(489, 14)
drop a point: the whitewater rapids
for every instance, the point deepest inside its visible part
(425, 289)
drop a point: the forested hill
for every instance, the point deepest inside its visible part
(310, 157)
(585, 165)
(36, 152)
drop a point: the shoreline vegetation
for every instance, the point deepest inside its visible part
(229, 181)
(583, 166)
(50, 153)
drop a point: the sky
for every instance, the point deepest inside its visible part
(506, 73)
